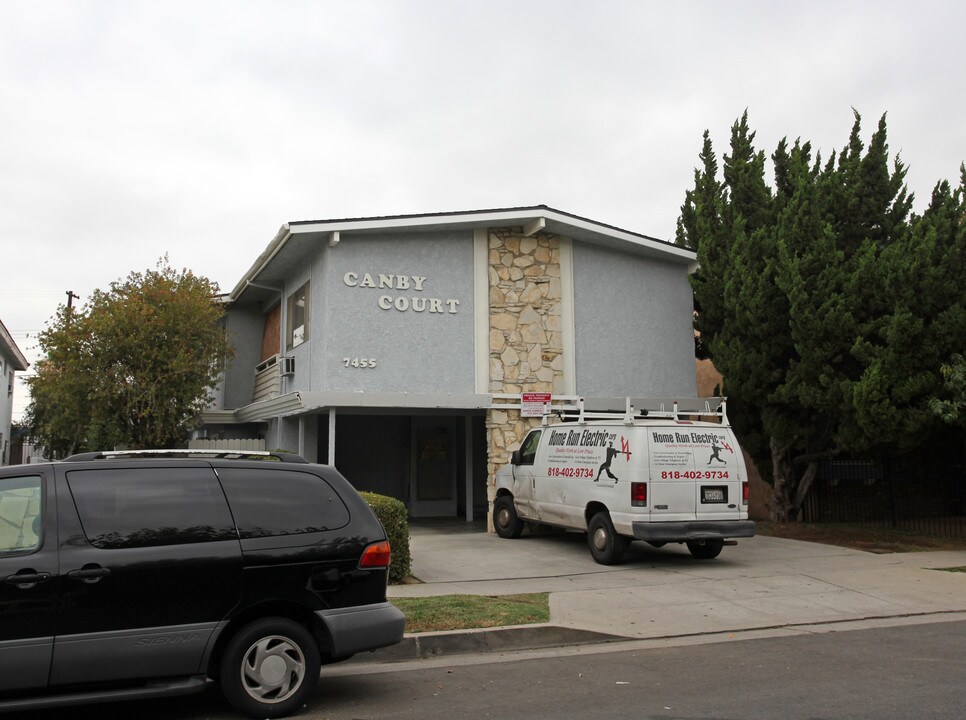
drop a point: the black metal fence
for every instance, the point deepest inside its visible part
(927, 496)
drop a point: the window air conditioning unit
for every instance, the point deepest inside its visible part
(288, 366)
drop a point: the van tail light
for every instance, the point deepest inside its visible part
(376, 556)
(744, 493)
(639, 494)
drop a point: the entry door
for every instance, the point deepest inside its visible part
(433, 476)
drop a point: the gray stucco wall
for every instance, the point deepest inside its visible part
(632, 320)
(417, 327)
(245, 325)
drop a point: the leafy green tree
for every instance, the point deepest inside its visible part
(58, 415)
(826, 306)
(133, 367)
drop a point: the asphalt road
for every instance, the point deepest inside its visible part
(911, 671)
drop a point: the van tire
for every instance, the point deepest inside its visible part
(606, 545)
(506, 522)
(255, 680)
(705, 549)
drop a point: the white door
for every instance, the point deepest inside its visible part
(696, 473)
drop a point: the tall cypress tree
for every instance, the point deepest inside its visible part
(826, 307)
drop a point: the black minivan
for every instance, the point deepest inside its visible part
(144, 574)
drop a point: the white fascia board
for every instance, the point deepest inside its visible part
(298, 403)
(19, 361)
(488, 219)
(274, 247)
(318, 400)
(283, 405)
(497, 218)
(219, 417)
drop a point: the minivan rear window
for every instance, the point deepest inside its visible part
(147, 507)
(270, 502)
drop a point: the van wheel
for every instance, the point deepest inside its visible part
(705, 549)
(505, 519)
(606, 545)
(270, 668)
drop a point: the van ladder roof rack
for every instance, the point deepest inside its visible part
(682, 410)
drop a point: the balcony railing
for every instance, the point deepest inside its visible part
(268, 377)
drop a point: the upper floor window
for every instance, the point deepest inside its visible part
(297, 330)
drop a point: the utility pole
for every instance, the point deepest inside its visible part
(70, 303)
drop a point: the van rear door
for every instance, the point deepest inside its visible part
(695, 474)
(721, 470)
(671, 488)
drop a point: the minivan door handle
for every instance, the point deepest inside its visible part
(89, 573)
(26, 579)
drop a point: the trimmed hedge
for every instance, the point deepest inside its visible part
(393, 516)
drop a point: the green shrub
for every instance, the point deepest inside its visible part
(392, 514)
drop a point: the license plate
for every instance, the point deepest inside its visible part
(714, 494)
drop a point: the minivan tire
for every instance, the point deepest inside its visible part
(506, 522)
(270, 668)
(606, 545)
(705, 549)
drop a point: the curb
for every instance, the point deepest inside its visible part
(420, 646)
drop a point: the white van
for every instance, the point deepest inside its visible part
(651, 472)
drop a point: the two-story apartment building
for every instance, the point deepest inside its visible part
(11, 361)
(399, 348)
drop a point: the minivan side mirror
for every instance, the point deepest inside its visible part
(516, 458)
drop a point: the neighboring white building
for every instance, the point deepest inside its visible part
(11, 361)
(398, 348)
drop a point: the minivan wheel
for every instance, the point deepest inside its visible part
(606, 545)
(270, 668)
(705, 549)
(506, 522)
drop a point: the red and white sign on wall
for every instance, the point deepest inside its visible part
(534, 404)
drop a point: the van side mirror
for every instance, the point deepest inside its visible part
(516, 458)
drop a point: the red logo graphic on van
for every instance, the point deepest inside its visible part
(610, 453)
(716, 449)
(625, 448)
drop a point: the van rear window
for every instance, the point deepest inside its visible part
(270, 502)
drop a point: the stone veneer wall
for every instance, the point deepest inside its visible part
(526, 340)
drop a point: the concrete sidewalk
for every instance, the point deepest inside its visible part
(762, 583)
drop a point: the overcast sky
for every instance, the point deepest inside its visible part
(132, 129)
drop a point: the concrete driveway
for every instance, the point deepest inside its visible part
(762, 583)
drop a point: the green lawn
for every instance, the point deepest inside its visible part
(461, 612)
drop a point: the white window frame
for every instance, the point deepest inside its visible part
(296, 332)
